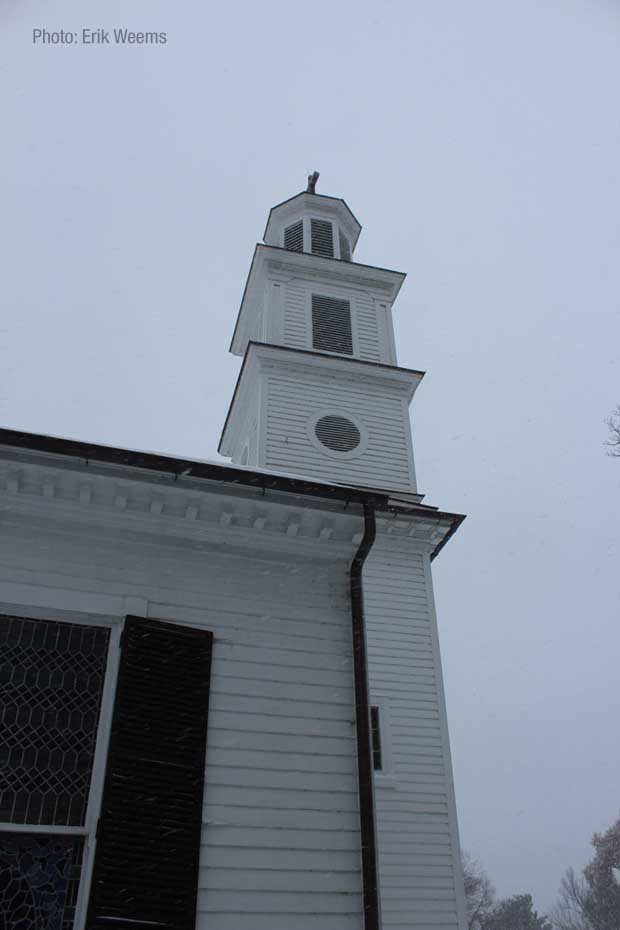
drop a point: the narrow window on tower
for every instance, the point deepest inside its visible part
(345, 248)
(294, 237)
(331, 325)
(322, 238)
(375, 734)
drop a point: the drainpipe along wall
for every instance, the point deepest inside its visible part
(372, 915)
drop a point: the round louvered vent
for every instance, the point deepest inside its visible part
(337, 433)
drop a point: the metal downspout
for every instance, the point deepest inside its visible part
(370, 885)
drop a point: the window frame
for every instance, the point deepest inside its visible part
(335, 293)
(385, 777)
(334, 453)
(287, 226)
(337, 230)
(95, 792)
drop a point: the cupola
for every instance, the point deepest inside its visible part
(314, 223)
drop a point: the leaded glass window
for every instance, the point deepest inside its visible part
(51, 680)
(39, 878)
(51, 684)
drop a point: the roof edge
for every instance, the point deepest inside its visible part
(325, 197)
(309, 353)
(260, 248)
(212, 471)
(188, 468)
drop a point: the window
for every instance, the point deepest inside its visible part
(375, 734)
(337, 433)
(294, 237)
(64, 837)
(322, 238)
(345, 248)
(331, 325)
(52, 676)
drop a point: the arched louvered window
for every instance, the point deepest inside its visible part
(337, 433)
(322, 238)
(294, 237)
(331, 325)
(345, 248)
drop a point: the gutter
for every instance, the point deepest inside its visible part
(86, 452)
(368, 830)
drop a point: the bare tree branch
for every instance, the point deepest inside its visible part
(479, 892)
(569, 912)
(613, 425)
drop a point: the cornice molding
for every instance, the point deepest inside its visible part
(318, 204)
(82, 503)
(270, 259)
(259, 356)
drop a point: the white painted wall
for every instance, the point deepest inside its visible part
(281, 845)
(294, 398)
(419, 859)
(367, 319)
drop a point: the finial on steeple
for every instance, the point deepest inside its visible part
(312, 179)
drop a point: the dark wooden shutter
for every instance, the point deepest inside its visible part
(331, 325)
(294, 237)
(322, 238)
(148, 842)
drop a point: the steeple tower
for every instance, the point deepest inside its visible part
(320, 392)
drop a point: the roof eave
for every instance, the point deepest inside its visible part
(337, 359)
(288, 200)
(261, 252)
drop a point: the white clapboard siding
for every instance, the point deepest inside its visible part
(280, 838)
(297, 334)
(419, 866)
(367, 329)
(290, 407)
(285, 921)
(289, 880)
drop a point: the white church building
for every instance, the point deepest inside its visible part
(221, 693)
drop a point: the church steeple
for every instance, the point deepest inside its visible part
(320, 393)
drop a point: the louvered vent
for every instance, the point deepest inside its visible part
(322, 238)
(337, 433)
(331, 325)
(345, 248)
(294, 237)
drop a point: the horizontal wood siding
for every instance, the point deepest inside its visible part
(295, 321)
(419, 864)
(363, 311)
(280, 840)
(292, 402)
(367, 329)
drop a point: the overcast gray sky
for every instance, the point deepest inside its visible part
(478, 143)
